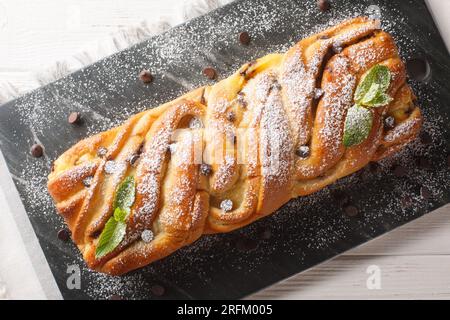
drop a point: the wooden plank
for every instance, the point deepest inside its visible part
(401, 277)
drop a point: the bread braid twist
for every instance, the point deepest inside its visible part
(268, 133)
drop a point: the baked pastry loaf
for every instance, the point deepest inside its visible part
(272, 131)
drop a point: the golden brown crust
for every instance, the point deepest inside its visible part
(251, 125)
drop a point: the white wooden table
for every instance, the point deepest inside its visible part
(412, 261)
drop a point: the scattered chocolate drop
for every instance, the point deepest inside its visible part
(101, 152)
(74, 118)
(351, 210)
(302, 152)
(423, 163)
(115, 297)
(425, 138)
(64, 235)
(389, 123)
(418, 69)
(157, 290)
(374, 167)
(210, 73)
(400, 171)
(246, 244)
(133, 159)
(340, 197)
(145, 76)
(244, 38)
(264, 233)
(205, 169)
(231, 116)
(37, 150)
(406, 201)
(425, 193)
(324, 5)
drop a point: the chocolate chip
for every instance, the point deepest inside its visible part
(425, 138)
(37, 150)
(87, 181)
(145, 76)
(318, 93)
(110, 167)
(264, 233)
(147, 235)
(64, 235)
(425, 193)
(406, 201)
(244, 38)
(351, 210)
(423, 163)
(324, 5)
(246, 244)
(95, 234)
(115, 297)
(210, 73)
(141, 148)
(231, 116)
(340, 197)
(74, 118)
(101, 152)
(133, 159)
(205, 169)
(302, 152)
(241, 99)
(226, 205)
(337, 48)
(157, 290)
(389, 123)
(374, 167)
(399, 171)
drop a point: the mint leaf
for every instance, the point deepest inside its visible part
(111, 236)
(378, 75)
(381, 100)
(115, 228)
(371, 94)
(125, 194)
(358, 124)
(120, 214)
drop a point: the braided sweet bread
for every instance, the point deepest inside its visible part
(223, 156)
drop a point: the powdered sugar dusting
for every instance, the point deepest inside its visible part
(107, 93)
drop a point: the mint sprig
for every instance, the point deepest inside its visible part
(115, 228)
(370, 93)
(376, 80)
(357, 125)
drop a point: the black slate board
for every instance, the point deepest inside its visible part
(304, 232)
